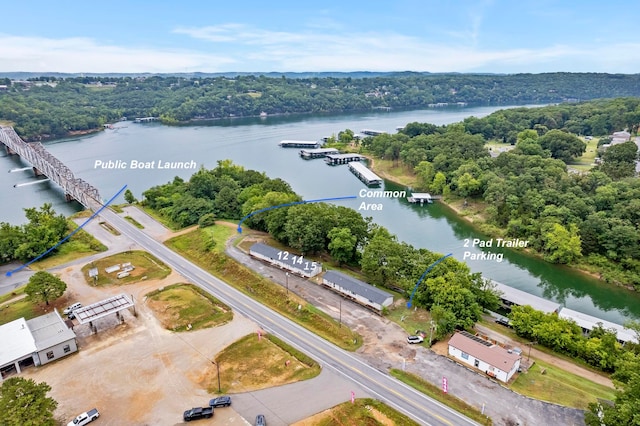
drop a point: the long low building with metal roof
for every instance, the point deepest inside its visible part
(284, 259)
(512, 296)
(588, 323)
(361, 292)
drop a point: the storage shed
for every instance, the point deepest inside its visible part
(284, 259)
(363, 293)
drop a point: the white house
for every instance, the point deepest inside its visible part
(357, 290)
(284, 259)
(485, 356)
(36, 341)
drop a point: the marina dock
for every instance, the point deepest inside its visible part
(299, 144)
(308, 154)
(365, 175)
(422, 197)
(370, 132)
(334, 159)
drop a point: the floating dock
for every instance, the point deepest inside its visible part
(308, 154)
(299, 144)
(370, 132)
(421, 197)
(365, 175)
(146, 119)
(333, 159)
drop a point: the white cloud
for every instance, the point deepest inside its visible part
(39, 54)
(240, 47)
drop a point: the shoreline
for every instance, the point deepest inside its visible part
(477, 224)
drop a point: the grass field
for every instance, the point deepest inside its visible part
(436, 393)
(254, 362)
(367, 412)
(560, 387)
(182, 307)
(411, 320)
(146, 267)
(586, 161)
(134, 222)
(196, 246)
(393, 171)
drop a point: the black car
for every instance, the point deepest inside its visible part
(198, 413)
(260, 420)
(221, 401)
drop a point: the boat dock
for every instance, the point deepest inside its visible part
(146, 119)
(423, 197)
(299, 144)
(334, 159)
(370, 132)
(365, 175)
(308, 154)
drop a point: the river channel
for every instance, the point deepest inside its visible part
(253, 143)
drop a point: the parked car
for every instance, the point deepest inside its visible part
(71, 315)
(72, 308)
(504, 321)
(221, 401)
(198, 413)
(85, 418)
(415, 339)
(260, 420)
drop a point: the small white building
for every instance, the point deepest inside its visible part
(361, 292)
(284, 259)
(485, 356)
(36, 341)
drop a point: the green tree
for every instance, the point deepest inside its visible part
(562, 245)
(44, 287)
(563, 146)
(618, 161)
(342, 244)
(128, 197)
(23, 402)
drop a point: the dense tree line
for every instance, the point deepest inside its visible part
(455, 296)
(587, 218)
(44, 229)
(56, 106)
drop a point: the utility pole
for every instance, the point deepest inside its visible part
(218, 371)
(340, 323)
(286, 275)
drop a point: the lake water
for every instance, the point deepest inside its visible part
(253, 143)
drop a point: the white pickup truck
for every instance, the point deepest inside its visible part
(85, 418)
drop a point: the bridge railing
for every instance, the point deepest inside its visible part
(36, 154)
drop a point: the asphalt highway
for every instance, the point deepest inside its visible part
(387, 389)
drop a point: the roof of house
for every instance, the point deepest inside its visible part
(494, 355)
(589, 322)
(49, 330)
(358, 287)
(17, 341)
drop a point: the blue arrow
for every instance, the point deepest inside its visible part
(290, 204)
(423, 275)
(68, 236)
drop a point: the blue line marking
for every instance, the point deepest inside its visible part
(68, 236)
(423, 275)
(290, 204)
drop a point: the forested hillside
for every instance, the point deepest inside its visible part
(589, 219)
(53, 107)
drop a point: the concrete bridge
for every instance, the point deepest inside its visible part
(46, 164)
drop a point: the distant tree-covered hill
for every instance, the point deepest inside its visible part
(53, 106)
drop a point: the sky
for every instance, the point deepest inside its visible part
(488, 36)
